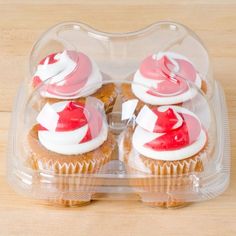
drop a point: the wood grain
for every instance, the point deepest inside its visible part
(22, 22)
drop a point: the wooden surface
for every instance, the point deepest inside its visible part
(22, 22)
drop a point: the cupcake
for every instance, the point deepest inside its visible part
(167, 143)
(71, 138)
(72, 75)
(163, 79)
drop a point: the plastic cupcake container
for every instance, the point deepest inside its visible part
(135, 115)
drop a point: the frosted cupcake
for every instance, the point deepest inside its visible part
(70, 138)
(167, 141)
(72, 75)
(162, 79)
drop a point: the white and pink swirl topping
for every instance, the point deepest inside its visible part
(168, 133)
(165, 77)
(67, 74)
(71, 128)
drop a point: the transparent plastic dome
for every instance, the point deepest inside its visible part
(127, 116)
(119, 55)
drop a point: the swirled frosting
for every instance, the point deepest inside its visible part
(168, 133)
(71, 128)
(67, 74)
(162, 79)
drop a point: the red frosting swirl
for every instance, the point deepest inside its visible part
(174, 138)
(75, 115)
(166, 120)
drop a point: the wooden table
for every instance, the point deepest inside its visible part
(21, 24)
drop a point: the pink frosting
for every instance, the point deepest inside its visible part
(171, 78)
(74, 81)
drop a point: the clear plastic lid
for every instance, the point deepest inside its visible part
(133, 115)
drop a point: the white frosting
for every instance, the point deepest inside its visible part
(179, 154)
(142, 84)
(67, 142)
(51, 115)
(146, 118)
(94, 82)
(56, 72)
(142, 136)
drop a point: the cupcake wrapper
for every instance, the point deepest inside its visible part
(67, 203)
(170, 177)
(66, 183)
(170, 204)
(72, 187)
(167, 176)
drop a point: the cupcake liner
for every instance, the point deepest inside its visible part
(67, 182)
(165, 176)
(67, 203)
(170, 204)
